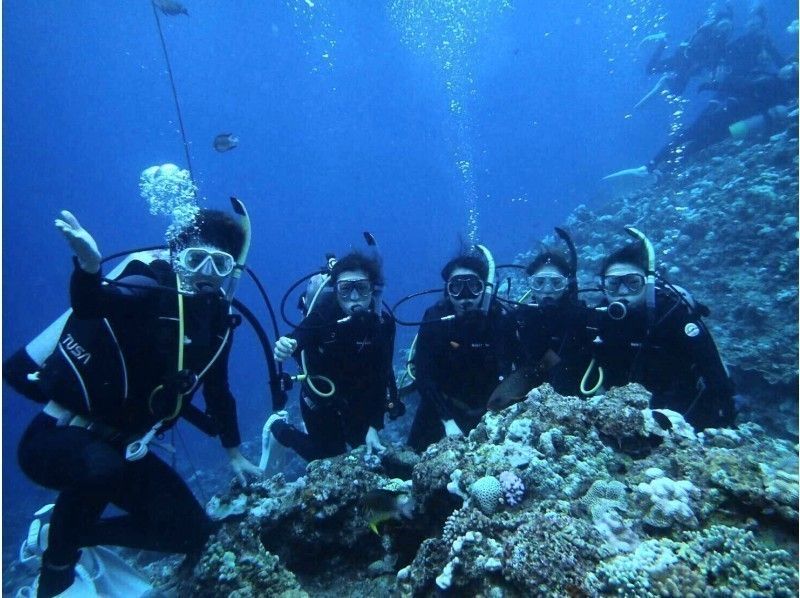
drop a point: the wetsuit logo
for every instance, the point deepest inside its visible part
(75, 349)
(691, 329)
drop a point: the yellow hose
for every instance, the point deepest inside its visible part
(306, 377)
(586, 374)
(181, 334)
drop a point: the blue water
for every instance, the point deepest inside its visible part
(345, 126)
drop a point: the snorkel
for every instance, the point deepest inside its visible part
(488, 292)
(244, 220)
(650, 275)
(377, 293)
(573, 260)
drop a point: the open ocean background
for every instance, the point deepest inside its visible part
(347, 123)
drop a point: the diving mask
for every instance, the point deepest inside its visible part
(465, 287)
(362, 288)
(633, 282)
(555, 281)
(200, 259)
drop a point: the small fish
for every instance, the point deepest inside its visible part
(662, 420)
(384, 505)
(170, 8)
(225, 142)
(514, 388)
(521, 381)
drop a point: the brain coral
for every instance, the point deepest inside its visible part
(487, 492)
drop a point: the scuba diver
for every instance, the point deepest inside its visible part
(345, 348)
(651, 332)
(753, 53)
(126, 365)
(552, 329)
(754, 107)
(755, 96)
(466, 345)
(702, 53)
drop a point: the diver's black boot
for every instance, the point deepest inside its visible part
(55, 577)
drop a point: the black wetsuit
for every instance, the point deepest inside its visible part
(703, 52)
(677, 362)
(87, 466)
(752, 54)
(357, 356)
(554, 337)
(751, 86)
(457, 365)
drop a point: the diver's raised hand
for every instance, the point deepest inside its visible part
(80, 241)
(284, 347)
(242, 467)
(373, 442)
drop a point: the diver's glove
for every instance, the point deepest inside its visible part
(242, 466)
(284, 347)
(81, 242)
(373, 442)
(451, 428)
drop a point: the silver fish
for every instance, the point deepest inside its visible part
(170, 7)
(225, 142)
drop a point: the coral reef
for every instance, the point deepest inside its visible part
(719, 561)
(552, 496)
(602, 518)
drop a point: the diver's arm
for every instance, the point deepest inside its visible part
(509, 349)
(308, 332)
(714, 387)
(425, 365)
(220, 404)
(80, 241)
(90, 298)
(391, 381)
(20, 372)
(375, 380)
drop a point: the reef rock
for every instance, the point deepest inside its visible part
(552, 496)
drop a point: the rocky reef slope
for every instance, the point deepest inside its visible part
(556, 496)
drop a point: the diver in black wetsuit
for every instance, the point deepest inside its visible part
(753, 53)
(653, 334)
(753, 96)
(553, 330)
(347, 342)
(766, 97)
(461, 354)
(128, 361)
(702, 53)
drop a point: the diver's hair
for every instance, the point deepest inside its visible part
(632, 253)
(355, 260)
(551, 257)
(469, 260)
(211, 227)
